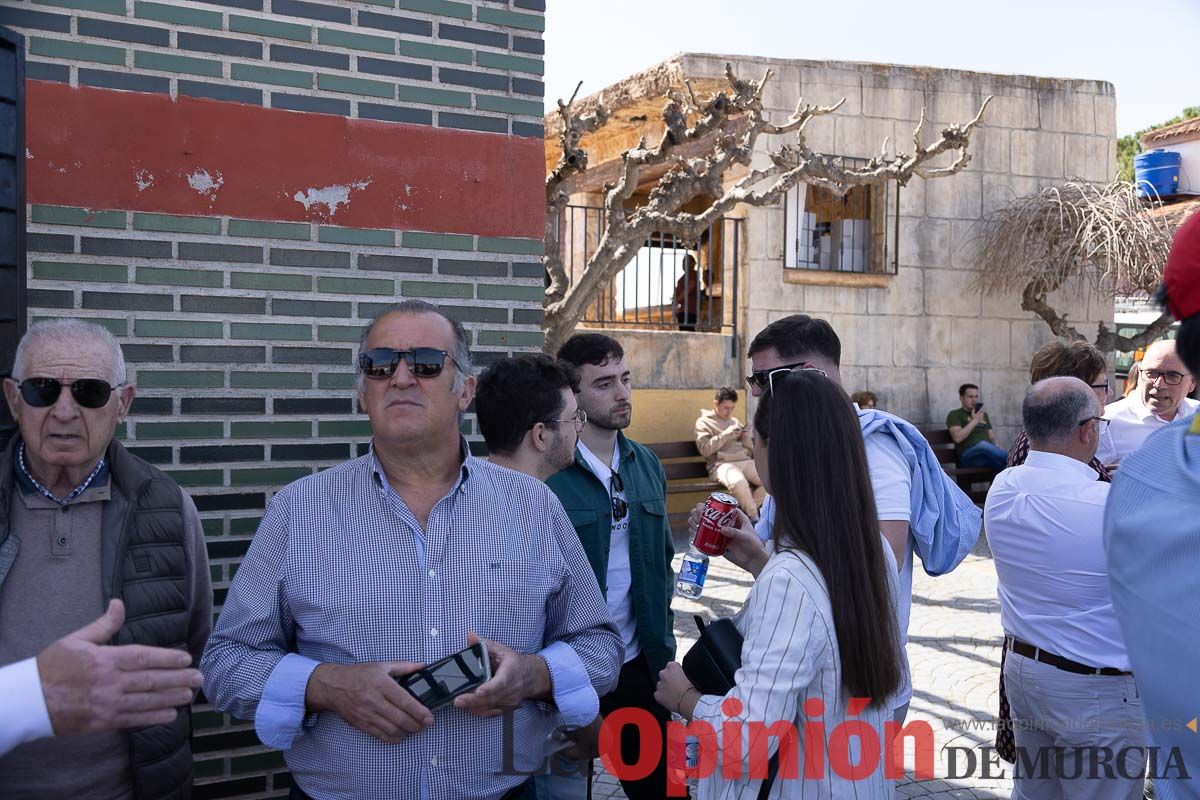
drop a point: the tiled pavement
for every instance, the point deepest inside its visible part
(953, 647)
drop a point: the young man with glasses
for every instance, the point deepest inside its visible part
(1067, 669)
(615, 494)
(366, 571)
(1161, 397)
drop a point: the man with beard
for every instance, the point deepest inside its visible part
(615, 495)
(1161, 397)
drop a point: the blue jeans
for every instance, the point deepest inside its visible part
(984, 454)
(560, 787)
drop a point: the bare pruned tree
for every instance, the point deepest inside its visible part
(1075, 235)
(725, 129)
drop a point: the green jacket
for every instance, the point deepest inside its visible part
(589, 506)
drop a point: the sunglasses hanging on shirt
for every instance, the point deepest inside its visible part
(619, 507)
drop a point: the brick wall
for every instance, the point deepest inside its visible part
(234, 188)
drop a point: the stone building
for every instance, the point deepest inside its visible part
(893, 270)
(233, 187)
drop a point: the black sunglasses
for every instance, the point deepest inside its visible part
(88, 392)
(760, 379)
(423, 362)
(619, 507)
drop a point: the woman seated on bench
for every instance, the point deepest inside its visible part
(729, 450)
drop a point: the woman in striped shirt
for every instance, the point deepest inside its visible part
(820, 644)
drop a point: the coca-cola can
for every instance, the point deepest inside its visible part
(719, 510)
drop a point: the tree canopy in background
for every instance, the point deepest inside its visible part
(1130, 146)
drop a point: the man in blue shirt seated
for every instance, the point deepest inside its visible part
(364, 572)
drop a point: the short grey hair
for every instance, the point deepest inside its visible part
(68, 332)
(462, 351)
(1054, 407)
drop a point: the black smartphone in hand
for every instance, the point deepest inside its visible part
(978, 406)
(438, 683)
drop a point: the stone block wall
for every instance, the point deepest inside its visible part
(235, 188)
(913, 341)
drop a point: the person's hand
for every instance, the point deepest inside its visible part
(672, 685)
(977, 417)
(90, 686)
(743, 547)
(516, 677)
(368, 698)
(584, 741)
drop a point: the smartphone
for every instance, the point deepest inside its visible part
(438, 683)
(978, 406)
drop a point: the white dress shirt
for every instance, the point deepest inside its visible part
(1045, 525)
(1130, 422)
(23, 708)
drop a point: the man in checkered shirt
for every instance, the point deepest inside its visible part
(367, 571)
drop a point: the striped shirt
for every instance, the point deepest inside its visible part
(340, 571)
(789, 656)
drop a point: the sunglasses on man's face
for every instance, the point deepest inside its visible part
(88, 392)
(423, 362)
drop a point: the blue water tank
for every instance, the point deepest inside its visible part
(1157, 172)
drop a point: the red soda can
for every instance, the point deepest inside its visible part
(719, 510)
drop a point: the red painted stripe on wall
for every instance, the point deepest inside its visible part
(97, 148)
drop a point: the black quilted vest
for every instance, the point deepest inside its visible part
(144, 564)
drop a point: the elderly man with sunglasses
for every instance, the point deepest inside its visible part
(367, 571)
(85, 526)
(1161, 397)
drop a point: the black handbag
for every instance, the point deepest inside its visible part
(711, 665)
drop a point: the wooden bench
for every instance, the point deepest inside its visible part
(968, 479)
(687, 473)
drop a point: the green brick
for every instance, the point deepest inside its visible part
(269, 27)
(64, 271)
(181, 277)
(505, 61)
(271, 430)
(384, 3)
(178, 14)
(270, 476)
(435, 52)
(270, 380)
(438, 241)
(512, 338)
(365, 236)
(355, 286)
(257, 763)
(338, 333)
(271, 75)
(336, 380)
(344, 428)
(180, 379)
(244, 525)
(433, 289)
(508, 105)
(122, 431)
(207, 719)
(269, 330)
(356, 41)
(533, 294)
(524, 247)
(213, 527)
(184, 328)
(443, 8)
(270, 280)
(186, 65)
(174, 224)
(77, 51)
(198, 477)
(511, 19)
(213, 768)
(341, 83)
(117, 327)
(100, 6)
(179, 430)
(269, 230)
(437, 97)
(83, 217)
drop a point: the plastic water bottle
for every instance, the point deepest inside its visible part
(693, 571)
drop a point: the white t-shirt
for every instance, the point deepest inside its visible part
(620, 581)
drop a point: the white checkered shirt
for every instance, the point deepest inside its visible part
(336, 574)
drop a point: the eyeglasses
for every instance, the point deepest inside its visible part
(579, 418)
(762, 379)
(1102, 386)
(1169, 378)
(88, 392)
(1101, 423)
(619, 507)
(380, 363)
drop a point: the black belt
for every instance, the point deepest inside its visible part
(1065, 664)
